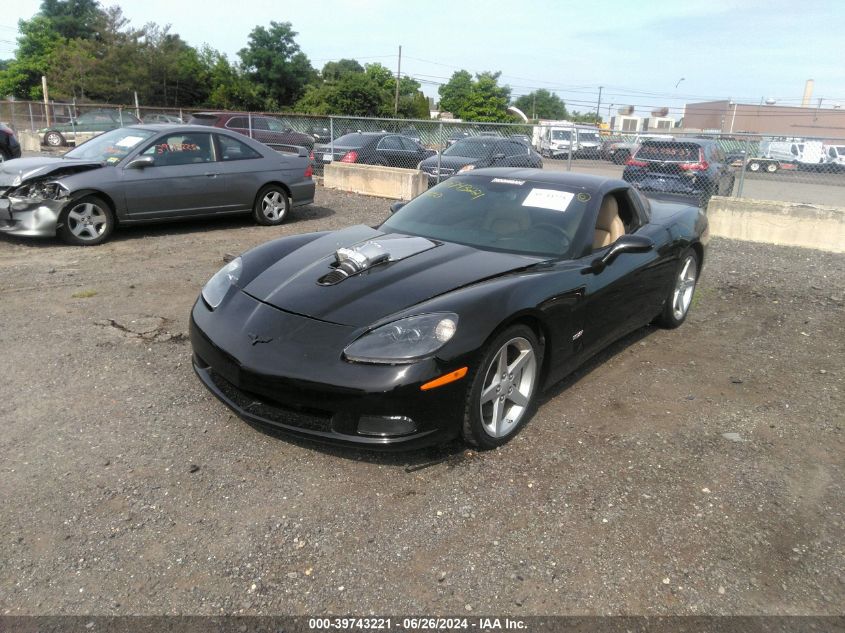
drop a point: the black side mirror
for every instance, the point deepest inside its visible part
(397, 205)
(141, 162)
(625, 244)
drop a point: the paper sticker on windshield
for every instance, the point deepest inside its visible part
(111, 160)
(548, 199)
(508, 181)
(129, 141)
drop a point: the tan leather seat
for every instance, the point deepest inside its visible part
(609, 227)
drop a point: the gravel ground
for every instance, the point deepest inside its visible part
(695, 471)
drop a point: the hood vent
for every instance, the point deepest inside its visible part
(361, 257)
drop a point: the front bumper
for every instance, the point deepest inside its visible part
(31, 218)
(295, 379)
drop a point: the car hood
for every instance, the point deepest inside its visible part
(15, 172)
(419, 269)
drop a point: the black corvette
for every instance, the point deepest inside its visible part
(448, 318)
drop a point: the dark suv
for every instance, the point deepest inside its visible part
(265, 129)
(691, 167)
(9, 146)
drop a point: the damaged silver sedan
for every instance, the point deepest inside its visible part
(149, 173)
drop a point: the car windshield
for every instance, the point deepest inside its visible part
(501, 214)
(471, 148)
(111, 147)
(681, 152)
(588, 137)
(561, 135)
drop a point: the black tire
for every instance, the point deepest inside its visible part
(753, 165)
(480, 420)
(54, 139)
(86, 221)
(4, 155)
(679, 299)
(772, 168)
(272, 206)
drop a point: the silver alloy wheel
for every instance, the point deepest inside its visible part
(684, 288)
(53, 139)
(273, 205)
(507, 387)
(87, 221)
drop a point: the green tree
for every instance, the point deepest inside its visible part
(585, 117)
(272, 59)
(479, 99)
(333, 71)
(455, 93)
(542, 104)
(75, 19)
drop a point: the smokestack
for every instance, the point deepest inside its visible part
(808, 93)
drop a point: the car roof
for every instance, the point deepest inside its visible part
(176, 127)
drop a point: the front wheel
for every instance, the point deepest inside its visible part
(753, 166)
(679, 300)
(271, 206)
(87, 221)
(772, 168)
(501, 398)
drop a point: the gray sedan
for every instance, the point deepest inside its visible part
(148, 173)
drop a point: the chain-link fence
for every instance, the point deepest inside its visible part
(806, 170)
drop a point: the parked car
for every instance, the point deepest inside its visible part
(372, 148)
(9, 146)
(97, 121)
(476, 152)
(692, 167)
(451, 317)
(319, 133)
(522, 138)
(147, 173)
(265, 129)
(161, 117)
(621, 150)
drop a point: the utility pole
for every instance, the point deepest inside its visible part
(534, 106)
(398, 75)
(46, 98)
(598, 105)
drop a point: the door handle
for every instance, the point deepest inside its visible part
(211, 175)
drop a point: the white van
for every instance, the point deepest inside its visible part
(805, 153)
(835, 157)
(556, 140)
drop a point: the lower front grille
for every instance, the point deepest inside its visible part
(257, 406)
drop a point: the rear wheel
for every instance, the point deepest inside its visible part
(772, 167)
(501, 398)
(753, 166)
(54, 139)
(271, 206)
(87, 221)
(679, 300)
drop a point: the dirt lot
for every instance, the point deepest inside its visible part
(697, 471)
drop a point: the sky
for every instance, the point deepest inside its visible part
(649, 54)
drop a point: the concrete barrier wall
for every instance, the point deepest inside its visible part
(374, 180)
(774, 222)
(30, 141)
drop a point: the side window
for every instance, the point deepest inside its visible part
(233, 149)
(238, 123)
(273, 125)
(390, 143)
(515, 149)
(260, 123)
(409, 144)
(181, 149)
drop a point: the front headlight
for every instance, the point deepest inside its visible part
(217, 287)
(405, 340)
(41, 190)
(466, 168)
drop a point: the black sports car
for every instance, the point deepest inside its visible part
(448, 318)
